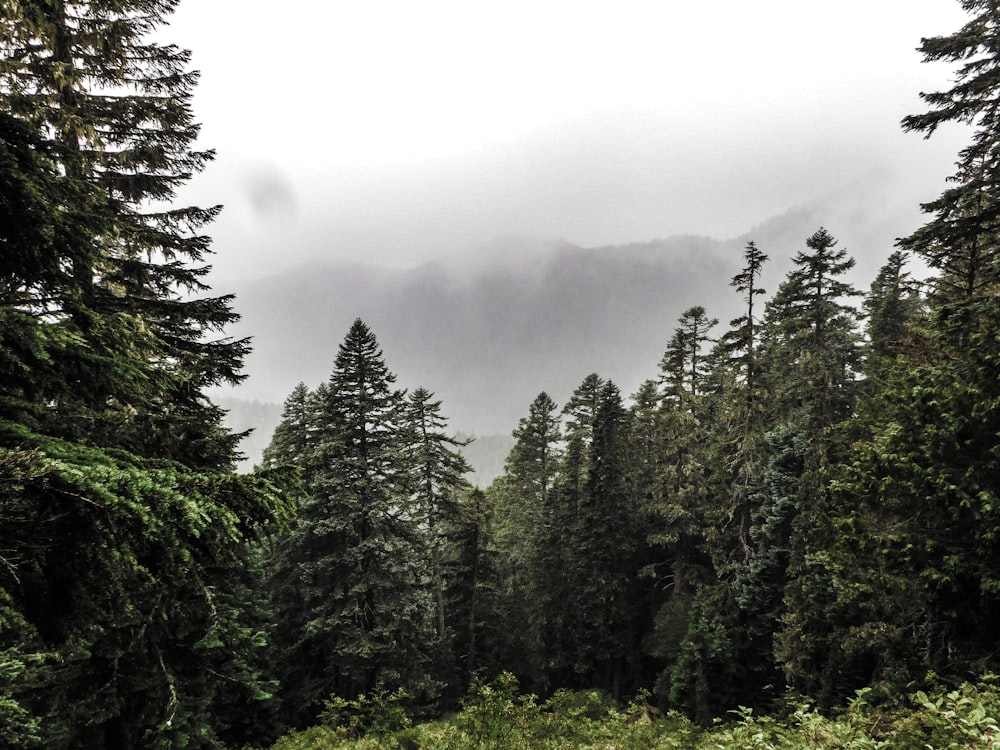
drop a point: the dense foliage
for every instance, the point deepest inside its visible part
(129, 614)
(495, 716)
(804, 501)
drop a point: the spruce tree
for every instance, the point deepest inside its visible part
(128, 295)
(350, 581)
(124, 579)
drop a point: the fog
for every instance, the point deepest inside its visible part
(396, 132)
(391, 134)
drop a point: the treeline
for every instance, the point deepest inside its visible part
(805, 499)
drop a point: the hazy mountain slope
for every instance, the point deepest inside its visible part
(487, 331)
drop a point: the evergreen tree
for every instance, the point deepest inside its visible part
(292, 442)
(680, 486)
(558, 577)
(438, 484)
(604, 599)
(684, 367)
(714, 667)
(523, 496)
(350, 580)
(126, 614)
(740, 420)
(811, 329)
(923, 480)
(892, 307)
(123, 297)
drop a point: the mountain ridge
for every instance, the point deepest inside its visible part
(487, 334)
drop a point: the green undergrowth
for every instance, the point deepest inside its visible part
(497, 716)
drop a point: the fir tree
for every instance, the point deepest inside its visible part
(922, 483)
(810, 350)
(523, 496)
(350, 579)
(125, 295)
(124, 578)
(438, 486)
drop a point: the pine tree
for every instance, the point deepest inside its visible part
(124, 585)
(960, 241)
(123, 298)
(350, 580)
(892, 307)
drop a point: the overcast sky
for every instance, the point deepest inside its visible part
(397, 131)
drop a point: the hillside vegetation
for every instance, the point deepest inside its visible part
(495, 717)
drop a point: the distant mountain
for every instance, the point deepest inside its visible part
(487, 331)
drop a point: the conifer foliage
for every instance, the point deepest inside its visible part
(359, 581)
(114, 288)
(127, 617)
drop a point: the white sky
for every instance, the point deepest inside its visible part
(395, 131)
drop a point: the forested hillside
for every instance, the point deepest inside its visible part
(487, 330)
(796, 512)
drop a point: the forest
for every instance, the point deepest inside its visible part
(789, 536)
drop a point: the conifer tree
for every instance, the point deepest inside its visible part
(923, 484)
(712, 665)
(810, 350)
(438, 485)
(523, 496)
(124, 576)
(604, 597)
(124, 297)
(741, 414)
(557, 570)
(350, 579)
(684, 367)
(293, 438)
(680, 486)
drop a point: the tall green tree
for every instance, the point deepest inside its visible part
(523, 497)
(127, 298)
(712, 667)
(740, 418)
(810, 349)
(293, 438)
(680, 484)
(349, 580)
(604, 599)
(125, 537)
(684, 366)
(439, 488)
(923, 481)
